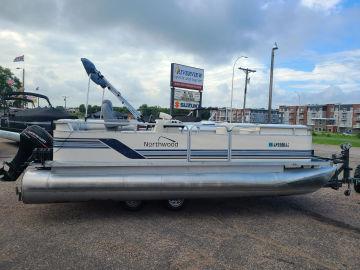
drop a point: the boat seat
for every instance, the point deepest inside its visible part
(108, 115)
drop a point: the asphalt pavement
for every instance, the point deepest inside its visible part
(315, 231)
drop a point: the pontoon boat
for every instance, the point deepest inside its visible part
(19, 111)
(117, 160)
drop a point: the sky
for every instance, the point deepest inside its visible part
(134, 42)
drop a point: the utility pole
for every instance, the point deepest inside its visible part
(247, 71)
(65, 98)
(271, 80)
(232, 88)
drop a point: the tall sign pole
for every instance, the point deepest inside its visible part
(200, 104)
(172, 94)
(172, 90)
(271, 81)
(247, 71)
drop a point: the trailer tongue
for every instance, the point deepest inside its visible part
(342, 161)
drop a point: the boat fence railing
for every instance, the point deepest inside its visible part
(229, 131)
(185, 128)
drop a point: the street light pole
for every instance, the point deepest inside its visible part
(38, 100)
(232, 87)
(247, 71)
(65, 98)
(271, 80)
(299, 97)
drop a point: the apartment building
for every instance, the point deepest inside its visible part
(251, 115)
(328, 117)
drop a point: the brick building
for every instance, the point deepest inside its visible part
(328, 117)
(259, 116)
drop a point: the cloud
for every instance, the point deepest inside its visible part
(321, 4)
(215, 30)
(340, 69)
(134, 42)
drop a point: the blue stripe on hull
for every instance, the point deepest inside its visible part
(122, 148)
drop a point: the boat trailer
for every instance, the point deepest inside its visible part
(343, 162)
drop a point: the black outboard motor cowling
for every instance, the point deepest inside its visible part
(33, 137)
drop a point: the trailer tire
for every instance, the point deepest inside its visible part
(175, 204)
(357, 183)
(133, 205)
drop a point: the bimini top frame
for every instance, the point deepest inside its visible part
(99, 79)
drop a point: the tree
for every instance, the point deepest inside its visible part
(95, 108)
(82, 108)
(121, 110)
(146, 110)
(8, 82)
(91, 109)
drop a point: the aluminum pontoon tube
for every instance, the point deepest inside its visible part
(12, 136)
(45, 186)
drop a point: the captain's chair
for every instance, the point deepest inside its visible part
(108, 115)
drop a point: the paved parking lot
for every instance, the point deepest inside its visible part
(317, 231)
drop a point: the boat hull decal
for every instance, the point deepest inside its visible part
(122, 148)
(77, 143)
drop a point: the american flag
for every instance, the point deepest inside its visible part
(10, 82)
(19, 58)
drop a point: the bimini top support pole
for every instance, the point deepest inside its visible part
(99, 79)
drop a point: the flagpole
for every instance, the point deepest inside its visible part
(23, 74)
(21, 59)
(23, 78)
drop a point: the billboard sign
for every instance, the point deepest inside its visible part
(186, 77)
(186, 95)
(186, 99)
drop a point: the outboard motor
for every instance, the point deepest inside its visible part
(32, 138)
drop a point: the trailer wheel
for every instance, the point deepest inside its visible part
(175, 204)
(357, 175)
(357, 183)
(133, 205)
